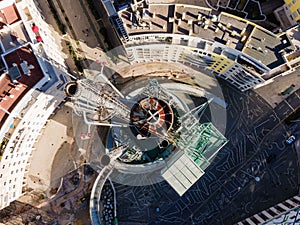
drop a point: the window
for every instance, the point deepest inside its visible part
(298, 10)
(295, 14)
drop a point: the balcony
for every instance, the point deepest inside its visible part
(12, 128)
(3, 146)
(27, 13)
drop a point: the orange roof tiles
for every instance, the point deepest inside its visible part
(10, 93)
(9, 15)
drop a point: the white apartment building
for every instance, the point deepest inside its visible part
(237, 50)
(31, 88)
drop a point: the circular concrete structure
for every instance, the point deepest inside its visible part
(151, 116)
(105, 160)
(152, 119)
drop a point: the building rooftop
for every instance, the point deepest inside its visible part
(294, 34)
(227, 29)
(24, 72)
(13, 37)
(159, 22)
(187, 20)
(266, 47)
(9, 15)
(182, 173)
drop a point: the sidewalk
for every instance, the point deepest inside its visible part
(270, 92)
(83, 33)
(87, 40)
(52, 159)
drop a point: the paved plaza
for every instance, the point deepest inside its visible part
(53, 153)
(84, 36)
(228, 191)
(271, 92)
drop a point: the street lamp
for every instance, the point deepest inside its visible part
(257, 179)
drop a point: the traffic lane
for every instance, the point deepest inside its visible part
(297, 144)
(289, 105)
(293, 100)
(283, 110)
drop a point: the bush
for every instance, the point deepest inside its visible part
(74, 56)
(62, 28)
(41, 196)
(78, 65)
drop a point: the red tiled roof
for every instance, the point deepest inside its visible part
(7, 102)
(9, 15)
(8, 88)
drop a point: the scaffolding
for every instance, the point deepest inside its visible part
(96, 101)
(200, 141)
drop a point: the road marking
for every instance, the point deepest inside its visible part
(289, 104)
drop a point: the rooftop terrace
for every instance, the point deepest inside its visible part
(8, 16)
(266, 47)
(24, 72)
(14, 37)
(226, 29)
(157, 18)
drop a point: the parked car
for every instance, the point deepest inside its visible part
(291, 139)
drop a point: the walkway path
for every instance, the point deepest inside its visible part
(270, 92)
(49, 159)
(85, 28)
